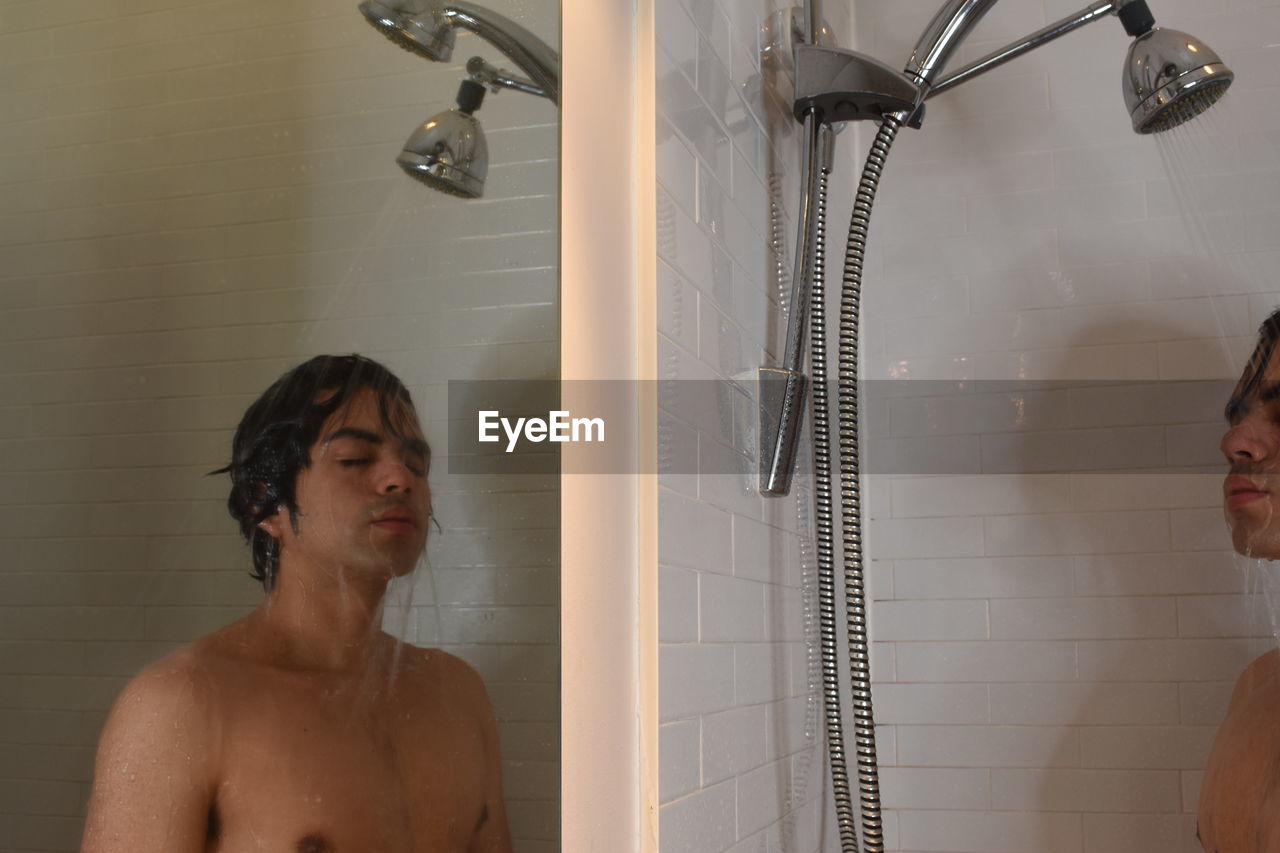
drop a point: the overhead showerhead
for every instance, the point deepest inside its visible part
(449, 152)
(1169, 78)
(418, 26)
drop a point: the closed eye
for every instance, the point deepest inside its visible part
(351, 463)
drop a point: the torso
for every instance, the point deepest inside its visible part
(1240, 794)
(322, 762)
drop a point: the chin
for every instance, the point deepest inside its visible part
(1249, 542)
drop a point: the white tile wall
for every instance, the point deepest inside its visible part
(739, 765)
(193, 201)
(1026, 233)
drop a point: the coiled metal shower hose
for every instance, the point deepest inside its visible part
(850, 501)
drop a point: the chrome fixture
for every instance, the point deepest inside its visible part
(1169, 78)
(448, 152)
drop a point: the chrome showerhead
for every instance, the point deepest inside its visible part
(449, 152)
(1169, 78)
(418, 26)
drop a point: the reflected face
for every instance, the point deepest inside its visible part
(1251, 490)
(363, 501)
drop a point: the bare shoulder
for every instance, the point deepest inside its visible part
(155, 770)
(438, 668)
(1262, 673)
(436, 675)
(178, 689)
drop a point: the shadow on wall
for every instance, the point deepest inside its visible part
(1126, 486)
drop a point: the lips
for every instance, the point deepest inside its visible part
(1239, 491)
(398, 520)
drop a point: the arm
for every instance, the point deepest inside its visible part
(153, 783)
(492, 835)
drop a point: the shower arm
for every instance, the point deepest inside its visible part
(1015, 49)
(525, 49)
(496, 78)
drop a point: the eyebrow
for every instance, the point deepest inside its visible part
(413, 445)
(1239, 406)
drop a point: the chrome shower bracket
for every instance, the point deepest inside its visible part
(487, 74)
(844, 85)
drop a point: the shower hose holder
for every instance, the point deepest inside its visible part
(844, 85)
(835, 85)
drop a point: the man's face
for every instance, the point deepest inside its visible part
(1251, 491)
(363, 502)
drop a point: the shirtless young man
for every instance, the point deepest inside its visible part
(1240, 794)
(303, 728)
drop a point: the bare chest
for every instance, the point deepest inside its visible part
(309, 770)
(1243, 776)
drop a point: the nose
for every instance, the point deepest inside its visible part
(1248, 441)
(395, 476)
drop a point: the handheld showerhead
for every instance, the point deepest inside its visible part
(418, 26)
(1169, 78)
(449, 152)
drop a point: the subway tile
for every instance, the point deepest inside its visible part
(1140, 833)
(701, 821)
(694, 535)
(1075, 450)
(1077, 533)
(989, 746)
(791, 726)
(732, 742)
(935, 788)
(1199, 530)
(679, 770)
(1224, 616)
(1190, 783)
(762, 552)
(1072, 790)
(1003, 661)
(1085, 704)
(760, 673)
(991, 832)
(933, 455)
(980, 495)
(1165, 660)
(677, 605)
(1055, 207)
(983, 577)
(1082, 618)
(1210, 358)
(930, 620)
(988, 410)
(1204, 703)
(763, 794)
(1146, 747)
(695, 679)
(731, 609)
(931, 703)
(928, 537)
(1195, 573)
(1124, 362)
(1022, 290)
(676, 35)
(1103, 491)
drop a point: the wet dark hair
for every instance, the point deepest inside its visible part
(273, 442)
(1251, 381)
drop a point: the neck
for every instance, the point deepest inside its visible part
(323, 617)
